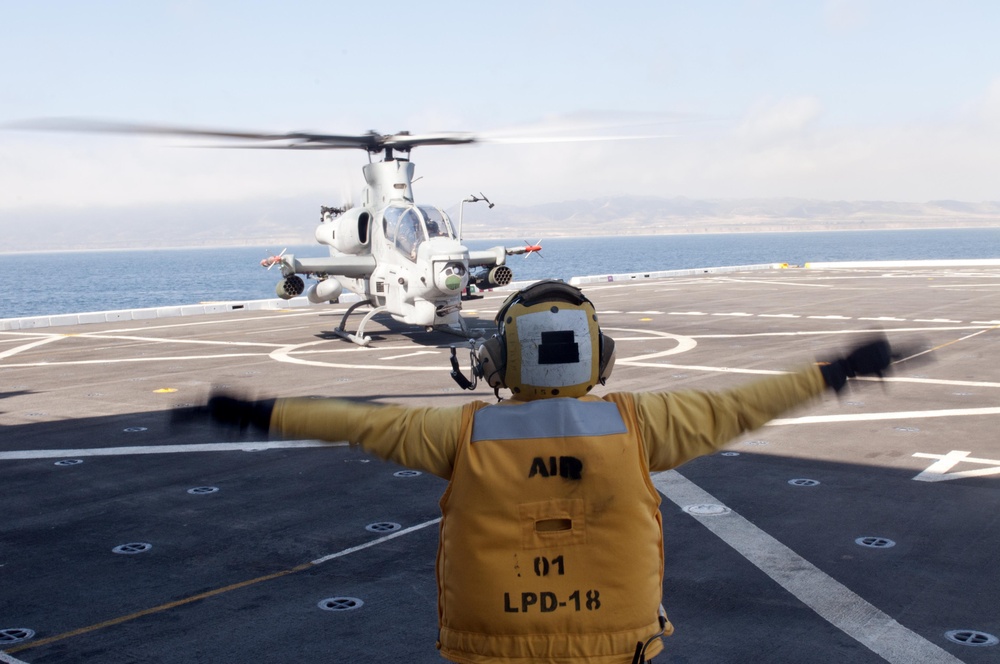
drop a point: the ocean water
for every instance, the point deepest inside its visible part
(39, 284)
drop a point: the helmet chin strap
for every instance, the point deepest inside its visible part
(457, 374)
(476, 370)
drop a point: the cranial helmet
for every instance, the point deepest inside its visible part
(548, 344)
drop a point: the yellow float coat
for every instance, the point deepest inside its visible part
(546, 499)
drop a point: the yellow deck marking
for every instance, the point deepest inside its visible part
(218, 591)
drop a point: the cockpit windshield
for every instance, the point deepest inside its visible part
(408, 226)
(438, 224)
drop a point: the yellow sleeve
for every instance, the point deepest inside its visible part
(679, 426)
(421, 438)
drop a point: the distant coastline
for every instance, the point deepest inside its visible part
(281, 223)
(721, 228)
(308, 240)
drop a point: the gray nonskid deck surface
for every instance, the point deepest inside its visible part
(253, 542)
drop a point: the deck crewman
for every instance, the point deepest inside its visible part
(551, 540)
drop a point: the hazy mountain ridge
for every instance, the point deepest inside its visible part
(277, 223)
(650, 215)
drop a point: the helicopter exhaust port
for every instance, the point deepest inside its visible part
(290, 287)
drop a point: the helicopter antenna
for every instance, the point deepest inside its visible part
(461, 210)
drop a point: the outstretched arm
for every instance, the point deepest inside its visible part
(421, 438)
(679, 426)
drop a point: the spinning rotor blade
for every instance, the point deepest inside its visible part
(300, 140)
(406, 141)
(111, 127)
(371, 141)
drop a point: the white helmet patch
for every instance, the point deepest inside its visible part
(555, 348)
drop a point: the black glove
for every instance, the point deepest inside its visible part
(234, 412)
(868, 359)
(231, 412)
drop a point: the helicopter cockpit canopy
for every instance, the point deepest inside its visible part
(407, 226)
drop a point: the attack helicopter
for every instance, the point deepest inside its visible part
(400, 257)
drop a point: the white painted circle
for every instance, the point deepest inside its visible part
(684, 344)
(285, 354)
(288, 353)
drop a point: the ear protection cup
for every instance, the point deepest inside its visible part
(491, 362)
(607, 362)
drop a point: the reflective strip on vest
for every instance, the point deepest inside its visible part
(547, 418)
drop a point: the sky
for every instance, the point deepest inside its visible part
(830, 100)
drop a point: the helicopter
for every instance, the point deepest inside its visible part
(399, 257)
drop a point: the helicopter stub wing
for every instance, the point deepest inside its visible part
(354, 267)
(486, 257)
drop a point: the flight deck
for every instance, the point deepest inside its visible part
(864, 527)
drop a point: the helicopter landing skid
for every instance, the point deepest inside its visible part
(359, 337)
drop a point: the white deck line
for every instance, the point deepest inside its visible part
(692, 272)
(163, 449)
(833, 601)
(35, 322)
(954, 262)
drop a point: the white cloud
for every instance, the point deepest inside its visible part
(786, 118)
(845, 15)
(985, 110)
(779, 147)
(42, 170)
